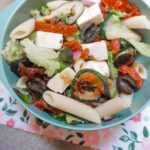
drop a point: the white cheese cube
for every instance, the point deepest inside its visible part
(98, 50)
(91, 14)
(101, 67)
(78, 65)
(49, 40)
(61, 81)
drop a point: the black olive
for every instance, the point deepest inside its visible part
(37, 86)
(124, 59)
(89, 32)
(126, 84)
(14, 66)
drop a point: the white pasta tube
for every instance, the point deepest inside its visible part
(140, 69)
(55, 4)
(137, 22)
(114, 106)
(23, 30)
(71, 106)
(22, 82)
(78, 65)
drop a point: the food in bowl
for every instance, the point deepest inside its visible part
(76, 61)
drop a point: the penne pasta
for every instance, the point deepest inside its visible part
(23, 30)
(55, 4)
(22, 82)
(137, 22)
(114, 106)
(140, 69)
(71, 106)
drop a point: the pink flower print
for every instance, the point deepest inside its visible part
(60, 133)
(91, 138)
(10, 123)
(137, 118)
(2, 91)
(106, 133)
(34, 128)
(49, 133)
(145, 144)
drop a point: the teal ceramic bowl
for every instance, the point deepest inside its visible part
(18, 12)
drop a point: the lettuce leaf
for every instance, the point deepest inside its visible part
(45, 10)
(13, 51)
(116, 21)
(113, 70)
(141, 47)
(42, 57)
(117, 13)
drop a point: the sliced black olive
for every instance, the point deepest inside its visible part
(14, 66)
(37, 86)
(124, 59)
(89, 32)
(126, 84)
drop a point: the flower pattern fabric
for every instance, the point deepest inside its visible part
(131, 135)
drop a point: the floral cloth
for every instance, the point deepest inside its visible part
(131, 135)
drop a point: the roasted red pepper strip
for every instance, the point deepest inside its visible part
(74, 45)
(115, 45)
(133, 73)
(122, 6)
(85, 53)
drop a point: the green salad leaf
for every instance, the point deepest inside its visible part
(117, 13)
(141, 47)
(64, 18)
(124, 44)
(32, 36)
(42, 57)
(45, 10)
(59, 117)
(62, 67)
(112, 68)
(73, 120)
(24, 95)
(77, 34)
(13, 51)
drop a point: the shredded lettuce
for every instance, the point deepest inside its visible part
(73, 120)
(62, 67)
(32, 36)
(141, 47)
(45, 10)
(77, 34)
(64, 18)
(117, 13)
(13, 51)
(112, 68)
(59, 117)
(116, 21)
(42, 57)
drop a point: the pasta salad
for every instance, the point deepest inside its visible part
(76, 60)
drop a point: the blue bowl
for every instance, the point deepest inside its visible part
(18, 12)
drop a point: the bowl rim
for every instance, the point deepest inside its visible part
(10, 11)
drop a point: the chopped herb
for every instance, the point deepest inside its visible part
(45, 10)
(117, 13)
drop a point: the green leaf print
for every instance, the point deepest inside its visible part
(25, 117)
(125, 138)
(80, 135)
(119, 148)
(125, 130)
(133, 135)
(69, 136)
(1, 99)
(45, 125)
(22, 119)
(25, 113)
(131, 146)
(145, 132)
(5, 107)
(10, 112)
(10, 100)
(39, 121)
(81, 143)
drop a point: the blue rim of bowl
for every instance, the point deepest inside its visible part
(3, 78)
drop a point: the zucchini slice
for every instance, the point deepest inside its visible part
(88, 85)
(74, 9)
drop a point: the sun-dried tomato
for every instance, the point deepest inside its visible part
(61, 28)
(85, 53)
(133, 73)
(30, 72)
(114, 45)
(42, 105)
(122, 6)
(74, 45)
(97, 39)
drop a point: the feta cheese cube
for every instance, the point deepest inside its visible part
(101, 67)
(78, 65)
(49, 40)
(91, 14)
(61, 81)
(98, 50)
